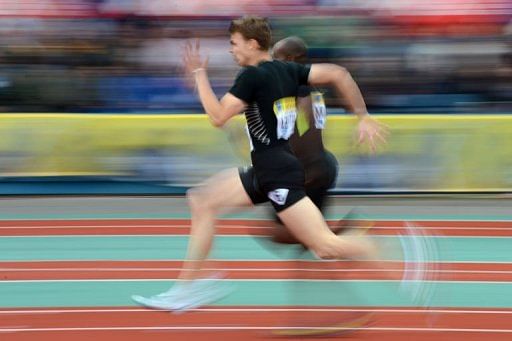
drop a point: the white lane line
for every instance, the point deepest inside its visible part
(231, 328)
(243, 226)
(164, 235)
(341, 262)
(249, 269)
(263, 310)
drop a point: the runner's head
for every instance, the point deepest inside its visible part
(250, 38)
(292, 49)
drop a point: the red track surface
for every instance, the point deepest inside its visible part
(222, 323)
(129, 324)
(343, 270)
(233, 227)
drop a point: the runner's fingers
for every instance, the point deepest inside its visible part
(361, 137)
(188, 48)
(381, 138)
(371, 143)
(385, 128)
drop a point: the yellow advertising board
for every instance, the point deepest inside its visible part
(423, 152)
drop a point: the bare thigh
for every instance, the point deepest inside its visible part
(223, 190)
(305, 221)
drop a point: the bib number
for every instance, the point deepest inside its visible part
(319, 110)
(285, 110)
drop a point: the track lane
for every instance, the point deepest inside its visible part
(385, 324)
(311, 270)
(236, 227)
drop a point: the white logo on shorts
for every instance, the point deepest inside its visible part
(279, 195)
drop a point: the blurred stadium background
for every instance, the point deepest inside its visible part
(93, 104)
(93, 99)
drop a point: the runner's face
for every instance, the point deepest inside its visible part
(241, 49)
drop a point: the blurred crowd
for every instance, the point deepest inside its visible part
(440, 56)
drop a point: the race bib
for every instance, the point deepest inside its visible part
(319, 110)
(285, 110)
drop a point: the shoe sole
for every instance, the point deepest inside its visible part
(202, 298)
(151, 303)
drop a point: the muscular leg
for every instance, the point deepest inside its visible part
(322, 174)
(283, 235)
(219, 193)
(307, 224)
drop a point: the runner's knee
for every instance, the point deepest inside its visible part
(324, 254)
(197, 199)
(326, 249)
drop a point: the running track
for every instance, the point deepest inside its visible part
(72, 279)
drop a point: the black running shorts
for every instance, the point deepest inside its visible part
(276, 175)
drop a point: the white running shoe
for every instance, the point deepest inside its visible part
(185, 296)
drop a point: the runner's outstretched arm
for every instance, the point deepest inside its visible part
(370, 130)
(219, 112)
